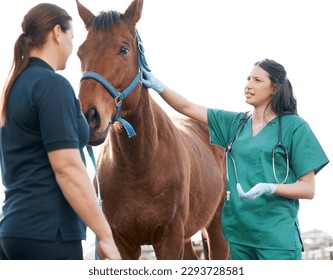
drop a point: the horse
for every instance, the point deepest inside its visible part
(160, 180)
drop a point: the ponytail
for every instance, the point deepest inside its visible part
(36, 26)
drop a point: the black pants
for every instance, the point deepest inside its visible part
(28, 249)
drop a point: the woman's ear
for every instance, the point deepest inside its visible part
(275, 89)
(56, 33)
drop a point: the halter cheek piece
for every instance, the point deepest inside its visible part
(120, 96)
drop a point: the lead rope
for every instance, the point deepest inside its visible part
(92, 157)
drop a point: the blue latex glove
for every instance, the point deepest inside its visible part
(149, 81)
(258, 190)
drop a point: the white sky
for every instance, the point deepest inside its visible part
(206, 49)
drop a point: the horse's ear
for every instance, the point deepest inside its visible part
(133, 12)
(85, 14)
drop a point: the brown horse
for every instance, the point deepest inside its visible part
(163, 185)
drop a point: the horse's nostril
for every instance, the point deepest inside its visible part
(93, 118)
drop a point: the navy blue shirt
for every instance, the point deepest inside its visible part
(43, 114)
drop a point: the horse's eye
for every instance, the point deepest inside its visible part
(124, 50)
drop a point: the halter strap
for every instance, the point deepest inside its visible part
(119, 97)
(142, 62)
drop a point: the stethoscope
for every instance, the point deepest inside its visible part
(279, 145)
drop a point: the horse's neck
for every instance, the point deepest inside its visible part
(146, 120)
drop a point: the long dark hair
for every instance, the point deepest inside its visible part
(283, 102)
(36, 25)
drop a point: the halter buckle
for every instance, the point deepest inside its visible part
(118, 101)
(141, 47)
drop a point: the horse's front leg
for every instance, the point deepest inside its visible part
(127, 250)
(171, 245)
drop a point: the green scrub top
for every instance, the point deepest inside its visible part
(270, 221)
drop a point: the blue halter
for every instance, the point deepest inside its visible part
(120, 96)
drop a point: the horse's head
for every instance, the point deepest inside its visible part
(110, 85)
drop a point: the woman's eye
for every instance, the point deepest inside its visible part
(124, 50)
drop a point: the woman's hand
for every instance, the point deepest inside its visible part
(149, 81)
(107, 250)
(258, 190)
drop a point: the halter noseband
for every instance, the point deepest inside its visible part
(120, 96)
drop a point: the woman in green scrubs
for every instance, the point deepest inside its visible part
(259, 216)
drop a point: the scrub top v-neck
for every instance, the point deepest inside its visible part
(259, 223)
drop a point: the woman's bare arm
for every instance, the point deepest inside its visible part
(74, 181)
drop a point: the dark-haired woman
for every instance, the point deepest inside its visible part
(49, 197)
(264, 184)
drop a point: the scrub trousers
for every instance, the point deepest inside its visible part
(241, 252)
(29, 249)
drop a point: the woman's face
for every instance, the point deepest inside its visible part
(259, 88)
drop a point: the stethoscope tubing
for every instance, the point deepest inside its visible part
(278, 145)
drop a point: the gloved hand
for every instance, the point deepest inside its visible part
(149, 81)
(258, 190)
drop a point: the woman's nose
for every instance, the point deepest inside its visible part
(248, 85)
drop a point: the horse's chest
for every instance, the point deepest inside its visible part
(140, 228)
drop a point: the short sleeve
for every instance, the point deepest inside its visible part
(307, 153)
(57, 109)
(222, 126)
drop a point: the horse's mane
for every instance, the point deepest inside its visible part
(104, 20)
